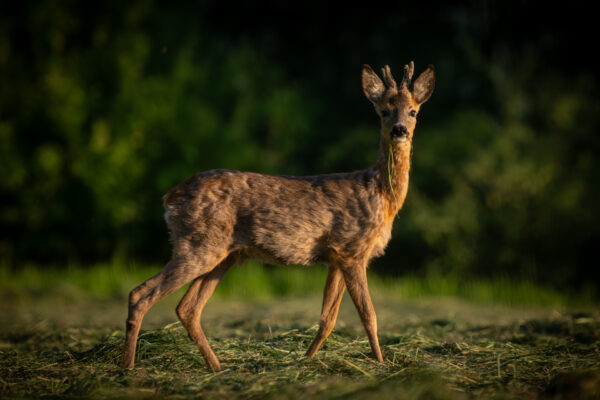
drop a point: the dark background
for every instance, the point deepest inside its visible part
(105, 106)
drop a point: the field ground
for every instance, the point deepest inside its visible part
(63, 343)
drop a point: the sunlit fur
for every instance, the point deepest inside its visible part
(221, 217)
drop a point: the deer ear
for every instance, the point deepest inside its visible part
(423, 85)
(371, 84)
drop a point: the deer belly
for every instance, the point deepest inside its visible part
(283, 238)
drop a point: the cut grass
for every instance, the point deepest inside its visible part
(442, 338)
(441, 350)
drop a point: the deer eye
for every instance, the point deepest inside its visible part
(412, 113)
(385, 113)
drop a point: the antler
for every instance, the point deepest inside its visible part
(409, 69)
(388, 78)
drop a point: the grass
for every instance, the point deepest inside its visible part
(257, 282)
(61, 335)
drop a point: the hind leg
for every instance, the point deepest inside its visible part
(175, 274)
(190, 309)
(332, 297)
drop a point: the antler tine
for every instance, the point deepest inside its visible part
(409, 69)
(388, 78)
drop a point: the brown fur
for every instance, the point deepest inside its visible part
(220, 217)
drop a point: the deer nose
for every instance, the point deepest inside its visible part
(399, 131)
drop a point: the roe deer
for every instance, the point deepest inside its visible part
(220, 217)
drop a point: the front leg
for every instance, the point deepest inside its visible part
(356, 281)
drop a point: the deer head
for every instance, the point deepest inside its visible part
(398, 105)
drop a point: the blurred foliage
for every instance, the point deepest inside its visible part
(104, 107)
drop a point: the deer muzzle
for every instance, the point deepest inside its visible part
(399, 133)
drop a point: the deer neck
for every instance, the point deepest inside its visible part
(393, 167)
